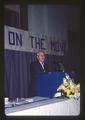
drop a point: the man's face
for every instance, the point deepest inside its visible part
(41, 57)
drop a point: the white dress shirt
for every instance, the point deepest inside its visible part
(42, 64)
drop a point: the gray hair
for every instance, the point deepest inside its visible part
(40, 51)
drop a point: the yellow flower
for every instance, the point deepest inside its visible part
(61, 87)
(76, 90)
(73, 91)
(67, 91)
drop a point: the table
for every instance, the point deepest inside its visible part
(47, 107)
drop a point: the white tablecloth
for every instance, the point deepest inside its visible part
(69, 107)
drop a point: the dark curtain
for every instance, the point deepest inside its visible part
(17, 77)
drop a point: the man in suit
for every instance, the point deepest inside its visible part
(37, 67)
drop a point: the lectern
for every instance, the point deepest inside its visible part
(47, 83)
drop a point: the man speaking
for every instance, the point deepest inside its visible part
(37, 67)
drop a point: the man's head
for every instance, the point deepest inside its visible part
(41, 56)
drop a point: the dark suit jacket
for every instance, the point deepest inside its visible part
(35, 69)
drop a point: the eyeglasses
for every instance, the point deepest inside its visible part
(41, 55)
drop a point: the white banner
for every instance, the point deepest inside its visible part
(21, 40)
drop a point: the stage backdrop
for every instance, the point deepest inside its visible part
(20, 50)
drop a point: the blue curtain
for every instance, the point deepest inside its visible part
(17, 77)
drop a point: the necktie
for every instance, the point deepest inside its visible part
(43, 67)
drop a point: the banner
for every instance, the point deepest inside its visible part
(21, 40)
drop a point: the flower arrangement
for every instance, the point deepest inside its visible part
(69, 88)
